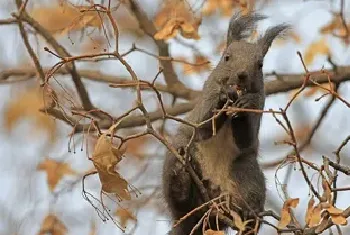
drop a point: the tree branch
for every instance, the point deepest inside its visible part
(148, 27)
(61, 51)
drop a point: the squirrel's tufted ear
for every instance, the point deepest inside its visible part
(240, 26)
(271, 33)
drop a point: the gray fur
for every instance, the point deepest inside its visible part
(226, 162)
(240, 26)
(270, 35)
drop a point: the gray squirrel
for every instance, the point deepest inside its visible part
(227, 161)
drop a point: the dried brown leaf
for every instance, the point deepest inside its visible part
(27, 105)
(201, 64)
(334, 211)
(285, 213)
(335, 27)
(124, 216)
(61, 19)
(339, 220)
(175, 17)
(55, 171)
(52, 225)
(319, 47)
(137, 146)
(173, 26)
(213, 232)
(315, 216)
(313, 90)
(292, 202)
(225, 7)
(327, 193)
(105, 159)
(93, 230)
(309, 210)
(241, 225)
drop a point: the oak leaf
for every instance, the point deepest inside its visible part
(105, 158)
(52, 225)
(55, 171)
(124, 216)
(286, 210)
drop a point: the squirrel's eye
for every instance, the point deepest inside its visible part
(226, 58)
(260, 64)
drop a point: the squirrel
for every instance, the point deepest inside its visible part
(227, 161)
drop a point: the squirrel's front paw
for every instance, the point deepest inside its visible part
(228, 94)
(247, 101)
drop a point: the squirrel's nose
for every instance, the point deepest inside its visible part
(242, 75)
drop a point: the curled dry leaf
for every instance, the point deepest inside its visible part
(173, 26)
(241, 225)
(172, 9)
(124, 216)
(313, 214)
(319, 47)
(55, 171)
(336, 216)
(285, 213)
(65, 17)
(105, 158)
(213, 232)
(174, 17)
(52, 225)
(339, 220)
(309, 210)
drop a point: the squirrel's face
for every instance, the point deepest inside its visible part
(241, 65)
